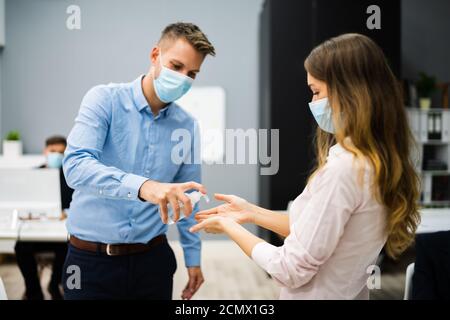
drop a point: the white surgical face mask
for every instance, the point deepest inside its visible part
(170, 85)
(322, 112)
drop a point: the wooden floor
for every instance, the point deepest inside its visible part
(229, 274)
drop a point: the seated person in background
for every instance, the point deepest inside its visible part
(431, 279)
(25, 251)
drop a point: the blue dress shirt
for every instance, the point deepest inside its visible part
(116, 145)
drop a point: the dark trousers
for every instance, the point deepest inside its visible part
(94, 275)
(25, 255)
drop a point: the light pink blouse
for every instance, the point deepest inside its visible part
(337, 230)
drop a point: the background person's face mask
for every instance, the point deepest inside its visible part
(54, 160)
(170, 85)
(321, 111)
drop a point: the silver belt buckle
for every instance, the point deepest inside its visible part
(108, 250)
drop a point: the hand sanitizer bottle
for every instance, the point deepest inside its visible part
(194, 197)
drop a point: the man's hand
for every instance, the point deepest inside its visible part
(163, 193)
(63, 215)
(194, 283)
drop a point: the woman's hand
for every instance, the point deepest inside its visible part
(215, 224)
(219, 224)
(235, 208)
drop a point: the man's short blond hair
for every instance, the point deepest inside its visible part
(191, 33)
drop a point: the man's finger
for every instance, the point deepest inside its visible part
(188, 291)
(186, 294)
(223, 197)
(187, 204)
(163, 211)
(175, 208)
(193, 185)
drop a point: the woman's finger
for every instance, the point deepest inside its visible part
(208, 211)
(223, 197)
(199, 226)
(204, 216)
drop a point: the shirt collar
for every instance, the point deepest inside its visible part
(141, 102)
(337, 148)
(138, 95)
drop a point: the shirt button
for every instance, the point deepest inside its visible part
(100, 191)
(129, 195)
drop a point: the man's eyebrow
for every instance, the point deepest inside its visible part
(175, 61)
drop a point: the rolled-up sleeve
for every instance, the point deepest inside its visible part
(81, 165)
(190, 170)
(315, 234)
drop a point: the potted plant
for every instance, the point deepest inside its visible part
(426, 85)
(12, 146)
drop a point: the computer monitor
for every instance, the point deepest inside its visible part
(33, 192)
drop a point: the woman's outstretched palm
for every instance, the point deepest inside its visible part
(234, 208)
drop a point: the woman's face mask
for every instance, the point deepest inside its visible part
(170, 85)
(321, 111)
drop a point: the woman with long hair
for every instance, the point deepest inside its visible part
(362, 195)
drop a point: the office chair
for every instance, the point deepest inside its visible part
(3, 295)
(408, 282)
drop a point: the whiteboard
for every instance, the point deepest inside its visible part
(207, 105)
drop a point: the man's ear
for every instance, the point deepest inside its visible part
(154, 54)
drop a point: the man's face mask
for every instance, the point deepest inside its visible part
(321, 111)
(54, 160)
(170, 85)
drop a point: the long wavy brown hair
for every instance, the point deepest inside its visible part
(367, 105)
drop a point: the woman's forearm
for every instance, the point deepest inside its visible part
(273, 221)
(243, 238)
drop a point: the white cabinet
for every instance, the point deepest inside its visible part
(431, 130)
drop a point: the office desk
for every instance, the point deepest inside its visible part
(12, 230)
(9, 232)
(434, 220)
(46, 230)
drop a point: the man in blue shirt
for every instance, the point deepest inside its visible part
(119, 161)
